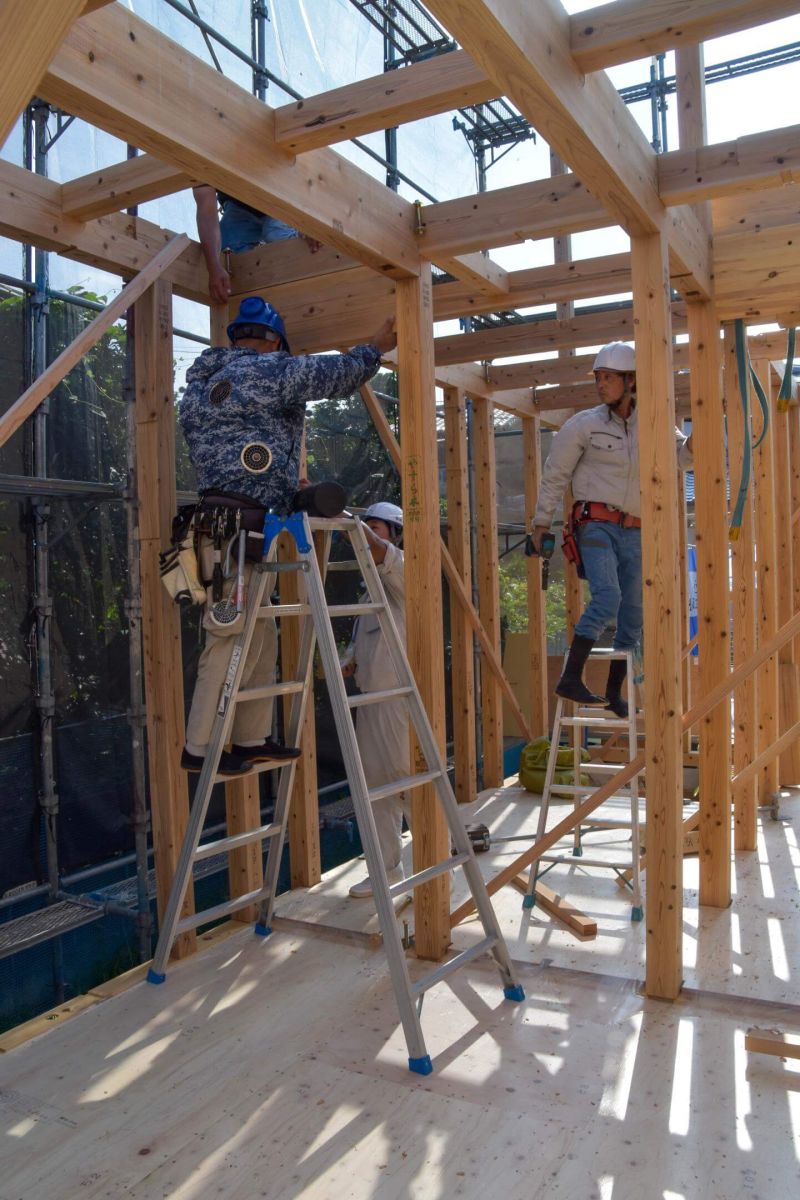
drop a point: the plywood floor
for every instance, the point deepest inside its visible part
(276, 1069)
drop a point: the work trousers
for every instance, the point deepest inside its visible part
(252, 720)
(612, 562)
(382, 732)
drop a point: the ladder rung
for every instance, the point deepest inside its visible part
(377, 697)
(453, 964)
(326, 523)
(402, 785)
(406, 885)
(571, 861)
(235, 840)
(220, 910)
(354, 610)
(596, 722)
(584, 789)
(274, 611)
(604, 768)
(271, 689)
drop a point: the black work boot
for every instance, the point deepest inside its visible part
(571, 685)
(618, 669)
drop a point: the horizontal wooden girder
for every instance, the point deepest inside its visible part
(508, 341)
(121, 74)
(30, 33)
(543, 372)
(30, 211)
(755, 162)
(122, 185)
(757, 275)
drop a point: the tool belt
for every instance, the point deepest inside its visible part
(593, 510)
(223, 514)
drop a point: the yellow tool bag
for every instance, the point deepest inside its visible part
(533, 766)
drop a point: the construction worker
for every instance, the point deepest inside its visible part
(596, 452)
(382, 730)
(242, 415)
(238, 228)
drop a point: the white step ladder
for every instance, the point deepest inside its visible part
(315, 616)
(594, 719)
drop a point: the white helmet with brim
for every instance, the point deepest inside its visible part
(392, 514)
(616, 356)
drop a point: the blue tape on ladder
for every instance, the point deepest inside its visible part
(273, 525)
(155, 976)
(528, 901)
(637, 914)
(263, 930)
(515, 993)
(422, 1066)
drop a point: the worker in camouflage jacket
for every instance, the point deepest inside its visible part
(242, 415)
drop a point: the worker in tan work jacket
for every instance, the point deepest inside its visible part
(596, 452)
(382, 730)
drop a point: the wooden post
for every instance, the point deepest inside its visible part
(488, 586)
(788, 671)
(767, 599)
(161, 624)
(423, 587)
(794, 461)
(538, 692)
(662, 616)
(743, 606)
(462, 661)
(711, 538)
(686, 664)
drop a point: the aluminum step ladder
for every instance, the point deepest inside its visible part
(584, 720)
(316, 615)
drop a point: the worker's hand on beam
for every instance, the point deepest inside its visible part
(386, 338)
(219, 284)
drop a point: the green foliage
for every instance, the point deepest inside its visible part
(514, 597)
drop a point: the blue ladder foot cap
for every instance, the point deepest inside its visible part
(577, 852)
(263, 930)
(516, 993)
(422, 1066)
(155, 976)
(528, 901)
(637, 914)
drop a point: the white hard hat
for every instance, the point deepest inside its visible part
(616, 356)
(384, 511)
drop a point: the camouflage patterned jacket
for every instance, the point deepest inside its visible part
(235, 396)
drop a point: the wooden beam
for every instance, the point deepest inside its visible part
(711, 538)
(754, 211)
(30, 211)
(559, 908)
(772, 1041)
(534, 337)
(30, 33)
(575, 371)
(422, 89)
(161, 623)
(757, 274)
(122, 74)
(423, 589)
(757, 161)
(122, 185)
(488, 573)
(538, 691)
(462, 658)
(486, 277)
(30, 400)
(662, 616)
(609, 34)
(526, 50)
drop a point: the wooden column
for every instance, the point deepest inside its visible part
(788, 671)
(794, 463)
(686, 663)
(767, 597)
(743, 608)
(161, 622)
(423, 587)
(662, 616)
(462, 660)
(711, 539)
(537, 623)
(242, 796)
(488, 585)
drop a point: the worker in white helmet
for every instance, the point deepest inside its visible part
(382, 730)
(597, 453)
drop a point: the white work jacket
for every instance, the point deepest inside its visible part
(597, 452)
(374, 668)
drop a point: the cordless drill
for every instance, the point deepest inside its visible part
(546, 553)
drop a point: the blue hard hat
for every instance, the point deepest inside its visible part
(255, 311)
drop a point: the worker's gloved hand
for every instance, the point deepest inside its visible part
(533, 542)
(530, 547)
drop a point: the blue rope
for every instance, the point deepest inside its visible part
(741, 366)
(785, 393)
(762, 400)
